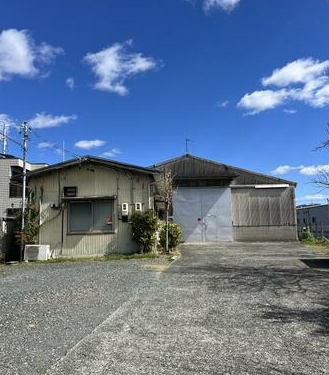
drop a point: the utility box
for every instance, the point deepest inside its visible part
(125, 209)
(138, 207)
(37, 252)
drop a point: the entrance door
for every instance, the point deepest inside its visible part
(204, 214)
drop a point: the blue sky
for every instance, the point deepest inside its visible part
(245, 80)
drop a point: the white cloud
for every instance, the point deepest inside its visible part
(315, 197)
(299, 71)
(45, 145)
(284, 169)
(319, 98)
(112, 153)
(70, 82)
(114, 65)
(21, 56)
(312, 197)
(304, 80)
(290, 111)
(44, 120)
(227, 5)
(223, 104)
(87, 145)
(309, 170)
(6, 119)
(313, 170)
(259, 101)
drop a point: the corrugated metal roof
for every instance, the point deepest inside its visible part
(189, 166)
(93, 160)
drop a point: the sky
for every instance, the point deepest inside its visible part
(245, 80)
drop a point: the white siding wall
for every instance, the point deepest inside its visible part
(5, 175)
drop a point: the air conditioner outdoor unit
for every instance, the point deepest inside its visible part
(37, 252)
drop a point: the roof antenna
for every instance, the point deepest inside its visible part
(187, 140)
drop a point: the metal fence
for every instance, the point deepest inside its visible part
(318, 230)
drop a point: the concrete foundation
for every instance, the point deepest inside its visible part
(265, 234)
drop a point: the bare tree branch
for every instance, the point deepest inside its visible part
(324, 144)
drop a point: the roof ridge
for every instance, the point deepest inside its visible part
(96, 159)
(225, 165)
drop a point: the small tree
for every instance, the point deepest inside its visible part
(174, 235)
(31, 228)
(164, 187)
(144, 227)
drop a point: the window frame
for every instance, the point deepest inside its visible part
(91, 232)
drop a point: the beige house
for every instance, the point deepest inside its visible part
(86, 204)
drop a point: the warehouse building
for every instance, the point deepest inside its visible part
(314, 218)
(217, 202)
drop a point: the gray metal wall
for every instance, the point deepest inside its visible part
(315, 218)
(204, 214)
(266, 214)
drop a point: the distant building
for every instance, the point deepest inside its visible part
(10, 200)
(314, 217)
(10, 191)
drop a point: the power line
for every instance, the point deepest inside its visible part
(12, 140)
(56, 146)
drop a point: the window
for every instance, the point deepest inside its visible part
(70, 191)
(16, 185)
(15, 190)
(313, 219)
(91, 216)
(13, 212)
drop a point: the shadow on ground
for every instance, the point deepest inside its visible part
(318, 316)
(294, 294)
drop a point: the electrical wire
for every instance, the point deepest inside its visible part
(55, 146)
(52, 145)
(11, 139)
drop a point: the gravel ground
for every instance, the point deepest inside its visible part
(224, 309)
(45, 309)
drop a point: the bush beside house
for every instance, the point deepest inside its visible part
(144, 227)
(174, 236)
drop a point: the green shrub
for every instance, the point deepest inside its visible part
(324, 241)
(143, 227)
(174, 235)
(31, 229)
(307, 236)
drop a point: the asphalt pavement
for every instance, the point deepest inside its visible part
(219, 309)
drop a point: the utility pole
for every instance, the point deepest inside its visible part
(4, 138)
(25, 131)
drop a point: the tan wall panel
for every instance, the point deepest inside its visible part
(91, 181)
